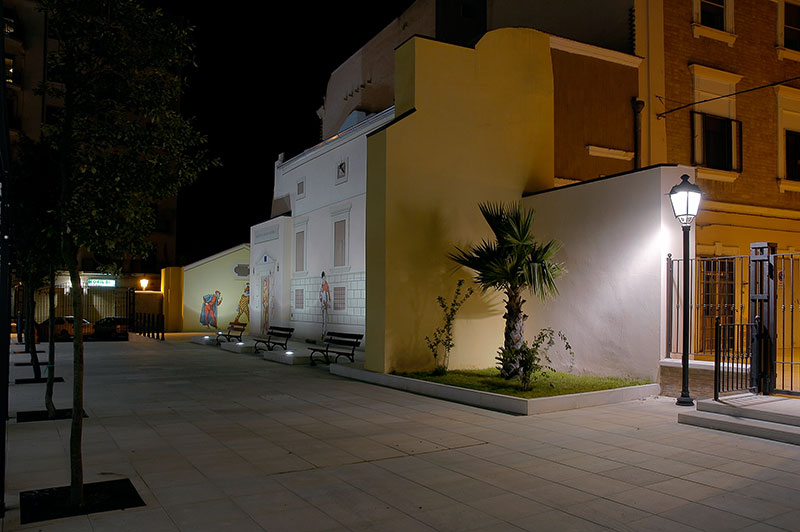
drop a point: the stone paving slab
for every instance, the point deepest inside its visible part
(214, 440)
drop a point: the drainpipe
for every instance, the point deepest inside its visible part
(637, 105)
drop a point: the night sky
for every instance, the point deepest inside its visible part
(261, 77)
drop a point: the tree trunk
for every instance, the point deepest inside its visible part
(51, 348)
(76, 434)
(515, 319)
(30, 330)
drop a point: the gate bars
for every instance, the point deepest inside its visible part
(737, 289)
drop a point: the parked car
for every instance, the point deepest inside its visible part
(65, 327)
(111, 328)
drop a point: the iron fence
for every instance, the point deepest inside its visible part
(787, 323)
(736, 348)
(96, 303)
(718, 287)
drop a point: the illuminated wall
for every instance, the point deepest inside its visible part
(474, 125)
(612, 299)
(270, 249)
(172, 288)
(227, 273)
(326, 187)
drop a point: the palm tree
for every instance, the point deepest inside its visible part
(513, 262)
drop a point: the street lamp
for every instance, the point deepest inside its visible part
(685, 198)
(144, 283)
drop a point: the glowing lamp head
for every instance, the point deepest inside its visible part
(289, 353)
(144, 283)
(206, 337)
(685, 198)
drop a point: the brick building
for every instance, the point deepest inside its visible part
(722, 82)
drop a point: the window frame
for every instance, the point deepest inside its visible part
(340, 213)
(726, 35)
(339, 178)
(788, 106)
(300, 226)
(701, 159)
(780, 47)
(333, 309)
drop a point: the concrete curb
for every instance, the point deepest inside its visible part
(494, 401)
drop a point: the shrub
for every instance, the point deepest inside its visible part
(443, 335)
(528, 362)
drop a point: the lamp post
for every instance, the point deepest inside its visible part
(685, 199)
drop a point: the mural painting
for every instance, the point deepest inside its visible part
(264, 304)
(208, 314)
(244, 305)
(325, 300)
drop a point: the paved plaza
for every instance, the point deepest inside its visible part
(221, 441)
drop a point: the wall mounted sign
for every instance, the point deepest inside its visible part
(101, 282)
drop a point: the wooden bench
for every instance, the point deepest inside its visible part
(235, 330)
(337, 345)
(275, 336)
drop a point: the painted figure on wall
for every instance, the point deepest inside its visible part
(208, 315)
(264, 304)
(325, 300)
(244, 304)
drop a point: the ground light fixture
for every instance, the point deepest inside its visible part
(685, 199)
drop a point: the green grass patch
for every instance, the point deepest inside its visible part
(553, 383)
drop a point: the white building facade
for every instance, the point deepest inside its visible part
(324, 232)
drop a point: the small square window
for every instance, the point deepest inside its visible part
(339, 294)
(342, 169)
(301, 189)
(793, 155)
(299, 299)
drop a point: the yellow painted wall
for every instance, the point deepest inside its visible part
(172, 288)
(481, 129)
(216, 274)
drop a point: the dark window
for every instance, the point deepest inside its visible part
(793, 155)
(717, 142)
(791, 30)
(712, 14)
(10, 25)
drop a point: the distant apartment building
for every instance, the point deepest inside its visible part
(26, 46)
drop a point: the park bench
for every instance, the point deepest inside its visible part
(337, 345)
(275, 336)
(235, 330)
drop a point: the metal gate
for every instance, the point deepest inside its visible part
(97, 302)
(759, 292)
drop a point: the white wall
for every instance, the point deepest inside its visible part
(326, 198)
(269, 252)
(616, 233)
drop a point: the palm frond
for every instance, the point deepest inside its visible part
(515, 260)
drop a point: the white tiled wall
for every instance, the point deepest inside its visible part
(356, 299)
